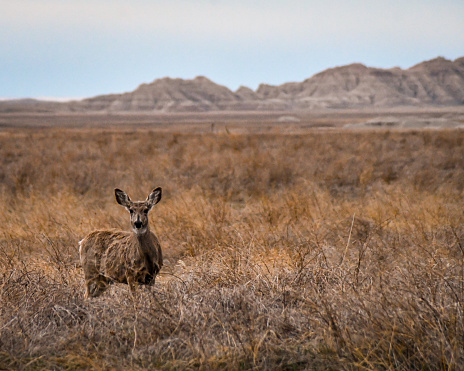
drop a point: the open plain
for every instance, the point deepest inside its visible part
(330, 240)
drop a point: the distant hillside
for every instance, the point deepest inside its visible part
(438, 82)
(31, 106)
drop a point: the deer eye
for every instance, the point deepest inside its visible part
(146, 211)
(131, 211)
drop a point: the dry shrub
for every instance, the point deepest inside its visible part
(326, 250)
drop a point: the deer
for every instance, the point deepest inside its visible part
(116, 256)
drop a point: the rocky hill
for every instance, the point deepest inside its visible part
(438, 82)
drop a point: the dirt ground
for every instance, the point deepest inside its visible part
(248, 122)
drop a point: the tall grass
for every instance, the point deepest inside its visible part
(326, 250)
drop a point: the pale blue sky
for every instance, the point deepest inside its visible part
(81, 48)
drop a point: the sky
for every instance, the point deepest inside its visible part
(82, 48)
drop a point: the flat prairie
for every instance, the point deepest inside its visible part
(288, 244)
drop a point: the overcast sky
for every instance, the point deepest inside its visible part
(82, 48)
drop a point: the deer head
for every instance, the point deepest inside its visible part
(139, 209)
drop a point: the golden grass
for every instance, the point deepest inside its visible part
(327, 250)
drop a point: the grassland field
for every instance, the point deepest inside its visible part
(316, 248)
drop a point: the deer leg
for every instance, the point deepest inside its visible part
(130, 282)
(91, 288)
(87, 290)
(95, 286)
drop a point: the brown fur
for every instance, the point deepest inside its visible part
(117, 256)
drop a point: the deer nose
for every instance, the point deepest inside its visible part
(138, 224)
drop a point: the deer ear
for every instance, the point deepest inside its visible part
(122, 198)
(154, 197)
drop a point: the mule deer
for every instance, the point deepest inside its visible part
(109, 256)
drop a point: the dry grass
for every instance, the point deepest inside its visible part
(331, 250)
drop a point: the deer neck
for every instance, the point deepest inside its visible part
(143, 239)
(144, 244)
